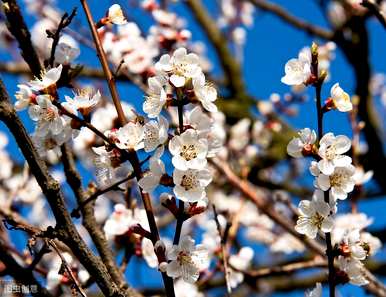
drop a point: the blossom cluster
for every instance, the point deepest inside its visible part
(335, 178)
(179, 82)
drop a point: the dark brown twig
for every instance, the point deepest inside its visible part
(376, 10)
(292, 20)
(64, 22)
(65, 229)
(19, 30)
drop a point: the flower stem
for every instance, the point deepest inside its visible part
(132, 154)
(105, 64)
(329, 250)
(180, 221)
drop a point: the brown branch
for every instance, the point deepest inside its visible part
(21, 274)
(376, 10)
(285, 269)
(89, 221)
(105, 64)
(68, 269)
(65, 229)
(318, 90)
(258, 198)
(224, 252)
(132, 155)
(64, 22)
(292, 20)
(19, 30)
(232, 69)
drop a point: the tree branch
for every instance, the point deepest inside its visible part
(89, 221)
(19, 30)
(232, 69)
(20, 273)
(257, 197)
(65, 229)
(292, 20)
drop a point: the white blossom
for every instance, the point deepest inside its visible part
(345, 223)
(341, 181)
(361, 177)
(47, 79)
(353, 268)
(304, 142)
(46, 115)
(340, 98)
(205, 93)
(190, 184)
(85, 100)
(314, 215)
(240, 261)
(155, 133)
(187, 260)
(330, 150)
(181, 66)
(5, 160)
(286, 243)
(239, 134)
(372, 244)
(67, 50)
(353, 245)
(152, 178)
(316, 292)
(109, 165)
(122, 219)
(115, 15)
(297, 71)
(24, 96)
(156, 98)
(188, 150)
(130, 136)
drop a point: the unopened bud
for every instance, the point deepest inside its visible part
(159, 246)
(322, 76)
(314, 49)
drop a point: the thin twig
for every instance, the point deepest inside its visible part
(224, 253)
(376, 10)
(132, 155)
(318, 89)
(64, 22)
(99, 192)
(292, 20)
(68, 269)
(105, 64)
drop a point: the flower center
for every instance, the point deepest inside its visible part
(189, 182)
(151, 135)
(317, 220)
(339, 178)
(50, 114)
(188, 152)
(330, 152)
(50, 143)
(184, 258)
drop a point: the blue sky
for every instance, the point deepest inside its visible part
(270, 44)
